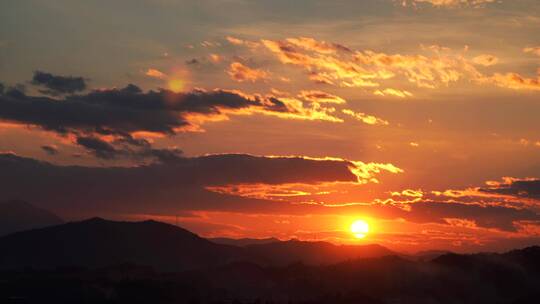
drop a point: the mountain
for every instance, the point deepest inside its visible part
(98, 243)
(19, 216)
(314, 253)
(509, 278)
(429, 255)
(243, 242)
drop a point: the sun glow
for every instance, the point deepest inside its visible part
(360, 228)
(176, 85)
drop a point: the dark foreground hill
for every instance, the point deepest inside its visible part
(242, 242)
(314, 253)
(152, 262)
(19, 215)
(511, 278)
(99, 243)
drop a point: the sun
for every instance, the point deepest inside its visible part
(360, 228)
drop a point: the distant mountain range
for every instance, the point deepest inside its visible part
(314, 253)
(19, 216)
(243, 241)
(101, 261)
(98, 243)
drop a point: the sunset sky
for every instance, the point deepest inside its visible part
(287, 119)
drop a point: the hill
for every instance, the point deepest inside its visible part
(98, 243)
(18, 215)
(314, 253)
(243, 241)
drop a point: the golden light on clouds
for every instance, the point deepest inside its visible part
(155, 73)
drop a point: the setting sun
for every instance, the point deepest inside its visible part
(360, 228)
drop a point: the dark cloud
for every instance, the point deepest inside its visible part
(454, 213)
(50, 149)
(121, 112)
(100, 148)
(498, 217)
(524, 188)
(126, 110)
(56, 85)
(128, 147)
(192, 61)
(159, 188)
(180, 184)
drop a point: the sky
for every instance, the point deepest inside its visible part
(288, 119)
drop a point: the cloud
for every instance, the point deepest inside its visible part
(240, 72)
(100, 148)
(241, 184)
(320, 97)
(431, 68)
(237, 41)
(127, 147)
(532, 50)
(485, 60)
(365, 118)
(517, 187)
(409, 193)
(393, 92)
(322, 47)
(50, 149)
(513, 81)
(121, 113)
(215, 58)
(56, 85)
(367, 68)
(192, 61)
(449, 3)
(497, 217)
(155, 73)
(164, 188)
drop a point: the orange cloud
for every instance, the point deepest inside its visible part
(433, 67)
(154, 73)
(322, 47)
(393, 92)
(365, 171)
(298, 110)
(368, 68)
(215, 58)
(485, 60)
(365, 118)
(321, 97)
(532, 50)
(449, 3)
(513, 81)
(240, 72)
(409, 192)
(237, 41)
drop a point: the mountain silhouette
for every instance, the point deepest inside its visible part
(508, 278)
(314, 253)
(243, 241)
(18, 215)
(153, 262)
(97, 243)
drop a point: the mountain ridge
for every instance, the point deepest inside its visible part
(19, 215)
